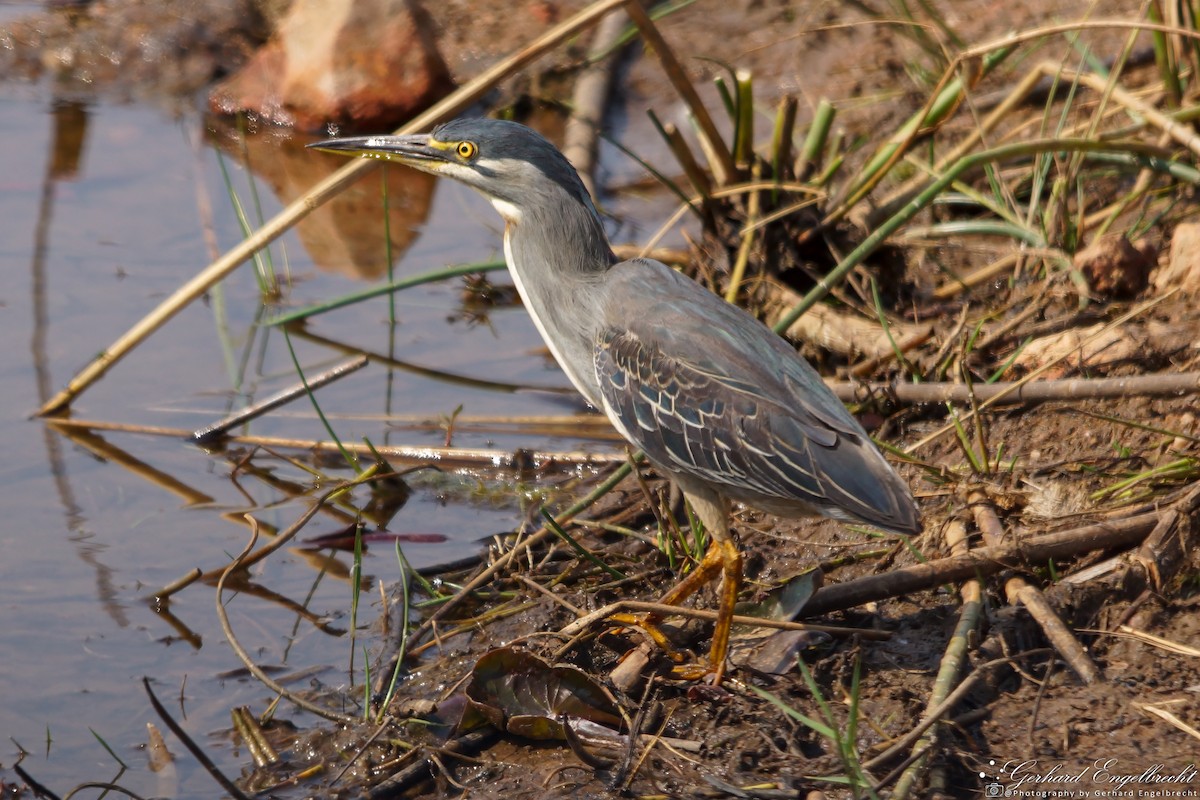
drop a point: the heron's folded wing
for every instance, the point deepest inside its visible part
(706, 390)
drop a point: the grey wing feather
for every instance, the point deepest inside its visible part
(709, 393)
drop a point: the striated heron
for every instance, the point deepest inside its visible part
(716, 401)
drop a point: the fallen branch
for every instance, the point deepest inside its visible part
(1158, 385)
(1014, 388)
(986, 561)
(1019, 591)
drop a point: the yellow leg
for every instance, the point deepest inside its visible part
(731, 573)
(723, 556)
(709, 567)
(702, 575)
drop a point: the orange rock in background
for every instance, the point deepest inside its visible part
(356, 63)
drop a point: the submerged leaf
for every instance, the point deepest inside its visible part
(773, 651)
(520, 693)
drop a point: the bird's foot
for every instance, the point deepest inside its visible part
(650, 625)
(686, 665)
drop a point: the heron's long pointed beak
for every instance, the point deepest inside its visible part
(418, 150)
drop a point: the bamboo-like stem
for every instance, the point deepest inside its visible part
(723, 166)
(815, 140)
(743, 143)
(781, 140)
(753, 205)
(951, 667)
(691, 167)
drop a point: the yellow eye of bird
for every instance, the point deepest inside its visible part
(466, 150)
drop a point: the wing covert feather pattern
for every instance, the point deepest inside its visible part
(759, 425)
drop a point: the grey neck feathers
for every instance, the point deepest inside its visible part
(561, 255)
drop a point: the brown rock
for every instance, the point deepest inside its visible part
(1183, 264)
(359, 63)
(1115, 267)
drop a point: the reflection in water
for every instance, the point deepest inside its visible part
(70, 120)
(110, 453)
(109, 596)
(347, 234)
(66, 154)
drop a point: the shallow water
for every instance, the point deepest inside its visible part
(105, 210)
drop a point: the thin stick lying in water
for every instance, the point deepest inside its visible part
(193, 748)
(408, 454)
(218, 429)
